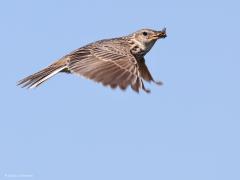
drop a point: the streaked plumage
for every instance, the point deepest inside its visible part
(117, 62)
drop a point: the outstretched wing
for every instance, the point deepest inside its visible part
(108, 64)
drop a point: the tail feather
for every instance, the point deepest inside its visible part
(38, 78)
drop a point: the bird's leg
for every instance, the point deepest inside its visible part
(145, 73)
(157, 82)
(143, 87)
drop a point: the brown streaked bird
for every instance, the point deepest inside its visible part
(117, 62)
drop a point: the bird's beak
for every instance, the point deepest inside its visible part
(160, 34)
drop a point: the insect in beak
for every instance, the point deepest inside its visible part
(160, 34)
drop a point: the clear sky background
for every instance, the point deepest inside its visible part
(73, 128)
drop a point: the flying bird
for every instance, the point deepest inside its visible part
(117, 62)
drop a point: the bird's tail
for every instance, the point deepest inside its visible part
(38, 78)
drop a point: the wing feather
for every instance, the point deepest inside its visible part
(107, 64)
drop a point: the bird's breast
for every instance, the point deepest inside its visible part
(137, 48)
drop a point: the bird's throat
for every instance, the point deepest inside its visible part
(137, 48)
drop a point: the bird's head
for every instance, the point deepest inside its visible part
(147, 37)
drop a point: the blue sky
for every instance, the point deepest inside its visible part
(73, 128)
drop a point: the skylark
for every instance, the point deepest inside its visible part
(117, 62)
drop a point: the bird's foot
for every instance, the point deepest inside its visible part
(145, 89)
(158, 82)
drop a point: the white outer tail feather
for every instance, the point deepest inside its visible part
(47, 77)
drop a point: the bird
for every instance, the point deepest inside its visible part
(116, 62)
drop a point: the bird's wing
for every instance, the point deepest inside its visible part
(108, 65)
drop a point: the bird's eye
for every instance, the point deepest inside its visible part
(145, 33)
